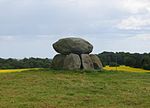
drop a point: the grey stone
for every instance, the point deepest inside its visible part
(73, 45)
(72, 62)
(58, 61)
(87, 63)
(96, 62)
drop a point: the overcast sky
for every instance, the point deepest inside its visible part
(28, 28)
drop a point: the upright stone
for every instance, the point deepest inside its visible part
(58, 61)
(87, 63)
(73, 45)
(72, 62)
(96, 62)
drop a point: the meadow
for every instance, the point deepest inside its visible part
(125, 69)
(16, 70)
(46, 88)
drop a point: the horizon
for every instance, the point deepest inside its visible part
(58, 53)
(29, 28)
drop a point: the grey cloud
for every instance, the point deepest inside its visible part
(36, 24)
(55, 17)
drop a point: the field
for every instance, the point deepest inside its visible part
(44, 88)
(15, 70)
(125, 69)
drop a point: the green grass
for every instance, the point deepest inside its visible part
(61, 89)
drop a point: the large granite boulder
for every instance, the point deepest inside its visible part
(96, 62)
(87, 63)
(72, 62)
(58, 61)
(73, 45)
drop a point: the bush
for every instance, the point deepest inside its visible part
(113, 64)
(146, 66)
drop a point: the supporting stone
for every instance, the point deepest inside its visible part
(58, 61)
(72, 62)
(87, 62)
(96, 62)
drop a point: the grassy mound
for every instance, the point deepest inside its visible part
(61, 89)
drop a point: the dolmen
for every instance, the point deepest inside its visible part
(74, 54)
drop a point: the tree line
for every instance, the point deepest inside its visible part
(108, 58)
(135, 60)
(24, 63)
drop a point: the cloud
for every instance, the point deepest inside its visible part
(29, 25)
(136, 6)
(6, 38)
(141, 37)
(138, 17)
(134, 23)
(32, 17)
